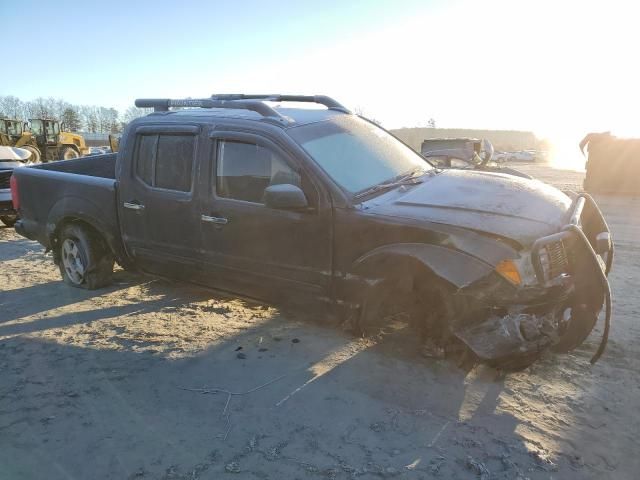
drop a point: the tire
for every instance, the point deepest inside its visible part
(411, 311)
(36, 157)
(84, 259)
(9, 220)
(68, 153)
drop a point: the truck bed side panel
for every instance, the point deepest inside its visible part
(50, 195)
(103, 166)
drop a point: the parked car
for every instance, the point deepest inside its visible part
(464, 153)
(95, 151)
(322, 205)
(521, 156)
(500, 157)
(10, 158)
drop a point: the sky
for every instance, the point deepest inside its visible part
(558, 68)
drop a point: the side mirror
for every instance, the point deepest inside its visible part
(285, 197)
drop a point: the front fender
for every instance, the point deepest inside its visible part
(455, 267)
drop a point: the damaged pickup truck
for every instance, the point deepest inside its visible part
(242, 194)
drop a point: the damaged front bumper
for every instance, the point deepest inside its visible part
(571, 269)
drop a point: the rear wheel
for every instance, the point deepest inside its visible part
(84, 259)
(69, 153)
(9, 220)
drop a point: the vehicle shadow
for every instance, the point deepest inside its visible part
(26, 301)
(14, 247)
(310, 400)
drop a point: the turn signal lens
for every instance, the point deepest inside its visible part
(508, 269)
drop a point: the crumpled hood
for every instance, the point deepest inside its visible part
(506, 205)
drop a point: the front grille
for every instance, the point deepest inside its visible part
(554, 261)
(4, 179)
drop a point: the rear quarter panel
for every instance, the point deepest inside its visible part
(49, 197)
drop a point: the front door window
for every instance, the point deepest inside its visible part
(245, 170)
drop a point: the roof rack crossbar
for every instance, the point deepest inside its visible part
(328, 102)
(163, 105)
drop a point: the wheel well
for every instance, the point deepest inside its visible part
(403, 276)
(407, 287)
(93, 231)
(402, 272)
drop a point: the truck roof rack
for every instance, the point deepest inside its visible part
(328, 102)
(241, 101)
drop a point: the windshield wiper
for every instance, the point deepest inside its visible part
(410, 178)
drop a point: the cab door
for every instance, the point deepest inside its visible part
(159, 208)
(254, 249)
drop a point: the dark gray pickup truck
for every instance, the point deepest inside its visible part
(319, 203)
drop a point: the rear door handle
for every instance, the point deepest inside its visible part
(218, 220)
(133, 206)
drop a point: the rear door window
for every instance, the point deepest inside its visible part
(166, 161)
(144, 158)
(174, 162)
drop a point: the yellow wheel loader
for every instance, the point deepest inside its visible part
(14, 134)
(54, 142)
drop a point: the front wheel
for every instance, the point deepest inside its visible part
(35, 154)
(9, 220)
(69, 153)
(408, 310)
(84, 259)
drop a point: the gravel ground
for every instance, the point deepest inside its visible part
(104, 385)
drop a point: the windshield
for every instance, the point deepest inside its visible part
(356, 153)
(14, 128)
(36, 127)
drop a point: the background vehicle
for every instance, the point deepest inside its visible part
(10, 158)
(500, 157)
(283, 203)
(54, 143)
(96, 151)
(464, 153)
(14, 134)
(521, 156)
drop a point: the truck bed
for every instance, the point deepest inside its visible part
(83, 189)
(103, 166)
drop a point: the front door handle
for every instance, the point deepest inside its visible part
(218, 220)
(133, 206)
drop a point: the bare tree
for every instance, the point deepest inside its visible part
(41, 108)
(134, 112)
(11, 107)
(89, 118)
(71, 118)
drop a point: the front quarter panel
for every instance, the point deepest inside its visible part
(369, 248)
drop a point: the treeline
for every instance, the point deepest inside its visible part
(77, 118)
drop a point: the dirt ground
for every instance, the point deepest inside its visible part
(95, 385)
